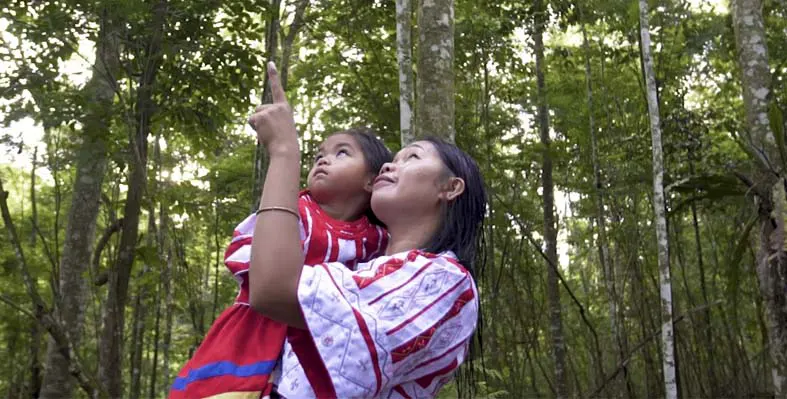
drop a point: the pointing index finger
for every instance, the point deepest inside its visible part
(277, 92)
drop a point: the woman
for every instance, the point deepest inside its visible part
(398, 326)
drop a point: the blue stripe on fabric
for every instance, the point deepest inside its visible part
(224, 368)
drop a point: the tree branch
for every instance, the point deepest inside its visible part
(102, 242)
(4, 298)
(295, 27)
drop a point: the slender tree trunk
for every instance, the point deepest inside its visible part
(160, 251)
(34, 209)
(217, 262)
(292, 33)
(152, 386)
(271, 46)
(111, 347)
(771, 260)
(90, 168)
(137, 342)
(110, 363)
(168, 314)
(659, 207)
(36, 333)
(435, 79)
(706, 314)
(139, 317)
(603, 249)
(550, 225)
(16, 388)
(167, 292)
(404, 57)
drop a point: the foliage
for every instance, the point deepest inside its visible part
(344, 73)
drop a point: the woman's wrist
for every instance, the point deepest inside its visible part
(289, 149)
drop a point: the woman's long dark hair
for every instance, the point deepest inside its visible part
(461, 231)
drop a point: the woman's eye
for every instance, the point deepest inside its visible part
(413, 155)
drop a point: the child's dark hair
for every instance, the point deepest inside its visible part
(460, 229)
(375, 153)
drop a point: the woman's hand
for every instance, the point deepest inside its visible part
(274, 123)
(276, 255)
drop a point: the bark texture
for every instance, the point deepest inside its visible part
(435, 79)
(659, 207)
(404, 56)
(756, 79)
(550, 224)
(91, 161)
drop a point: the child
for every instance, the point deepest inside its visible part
(242, 347)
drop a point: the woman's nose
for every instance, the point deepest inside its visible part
(387, 167)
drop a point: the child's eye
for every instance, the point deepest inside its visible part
(342, 152)
(317, 158)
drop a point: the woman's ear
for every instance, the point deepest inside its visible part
(452, 189)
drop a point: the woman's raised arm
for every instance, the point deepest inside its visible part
(276, 254)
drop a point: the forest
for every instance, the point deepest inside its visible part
(633, 153)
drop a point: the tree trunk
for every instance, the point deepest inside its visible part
(159, 237)
(706, 319)
(111, 346)
(659, 207)
(90, 168)
(138, 332)
(404, 56)
(36, 334)
(292, 33)
(153, 378)
(550, 228)
(435, 78)
(137, 342)
(34, 208)
(261, 155)
(771, 260)
(169, 303)
(165, 253)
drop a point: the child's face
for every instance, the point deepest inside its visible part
(339, 169)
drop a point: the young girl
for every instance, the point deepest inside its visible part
(242, 347)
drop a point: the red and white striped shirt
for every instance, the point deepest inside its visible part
(324, 239)
(396, 327)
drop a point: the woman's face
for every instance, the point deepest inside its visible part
(412, 185)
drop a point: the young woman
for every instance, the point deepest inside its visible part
(397, 326)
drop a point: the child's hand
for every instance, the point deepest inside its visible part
(273, 123)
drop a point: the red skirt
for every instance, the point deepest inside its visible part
(238, 354)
